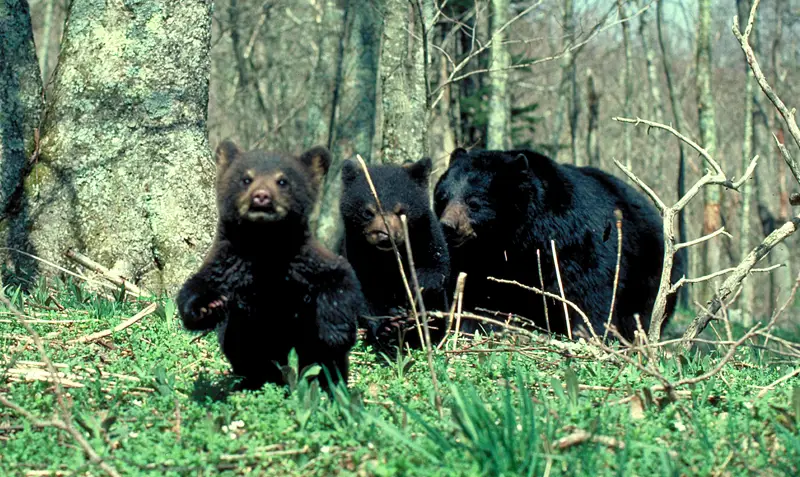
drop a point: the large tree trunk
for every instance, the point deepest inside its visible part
(403, 91)
(497, 136)
(20, 98)
(712, 257)
(125, 174)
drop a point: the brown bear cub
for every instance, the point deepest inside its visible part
(268, 284)
(403, 190)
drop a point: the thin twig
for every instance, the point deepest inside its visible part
(541, 284)
(103, 271)
(771, 386)
(618, 216)
(561, 289)
(424, 317)
(409, 293)
(702, 239)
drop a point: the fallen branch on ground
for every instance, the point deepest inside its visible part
(103, 271)
(102, 334)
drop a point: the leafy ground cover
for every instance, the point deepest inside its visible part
(152, 399)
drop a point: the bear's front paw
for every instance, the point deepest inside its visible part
(201, 308)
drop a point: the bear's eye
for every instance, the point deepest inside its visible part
(367, 214)
(247, 180)
(282, 182)
(473, 204)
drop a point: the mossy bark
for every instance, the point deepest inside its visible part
(403, 93)
(125, 174)
(20, 96)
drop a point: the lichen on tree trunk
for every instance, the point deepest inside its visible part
(403, 94)
(125, 174)
(20, 96)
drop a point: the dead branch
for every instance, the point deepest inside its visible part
(788, 116)
(732, 283)
(579, 437)
(103, 271)
(702, 239)
(704, 278)
(423, 317)
(714, 176)
(125, 324)
(771, 386)
(618, 217)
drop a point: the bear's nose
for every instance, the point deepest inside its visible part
(261, 198)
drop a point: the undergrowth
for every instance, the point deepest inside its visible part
(155, 400)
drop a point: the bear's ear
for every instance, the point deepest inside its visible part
(457, 154)
(227, 152)
(349, 172)
(316, 160)
(520, 163)
(420, 170)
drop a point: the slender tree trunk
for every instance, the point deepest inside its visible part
(592, 144)
(125, 174)
(657, 106)
(361, 37)
(712, 257)
(403, 89)
(20, 99)
(627, 81)
(677, 115)
(746, 298)
(47, 31)
(325, 81)
(564, 88)
(442, 133)
(784, 276)
(497, 136)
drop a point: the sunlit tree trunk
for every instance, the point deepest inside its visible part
(565, 90)
(712, 257)
(497, 135)
(125, 174)
(657, 105)
(403, 88)
(746, 298)
(20, 99)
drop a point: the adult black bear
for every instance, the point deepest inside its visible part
(499, 207)
(270, 285)
(402, 190)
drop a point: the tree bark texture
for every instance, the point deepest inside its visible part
(746, 298)
(497, 136)
(125, 174)
(677, 114)
(353, 131)
(627, 155)
(403, 92)
(712, 257)
(20, 97)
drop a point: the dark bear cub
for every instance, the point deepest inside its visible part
(403, 190)
(499, 207)
(268, 284)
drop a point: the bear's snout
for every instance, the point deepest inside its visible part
(456, 224)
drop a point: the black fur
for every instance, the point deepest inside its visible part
(401, 189)
(517, 202)
(281, 289)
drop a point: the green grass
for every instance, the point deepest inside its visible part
(152, 402)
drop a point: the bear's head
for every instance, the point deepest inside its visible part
(258, 187)
(402, 190)
(483, 195)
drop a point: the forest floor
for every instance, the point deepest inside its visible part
(153, 400)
